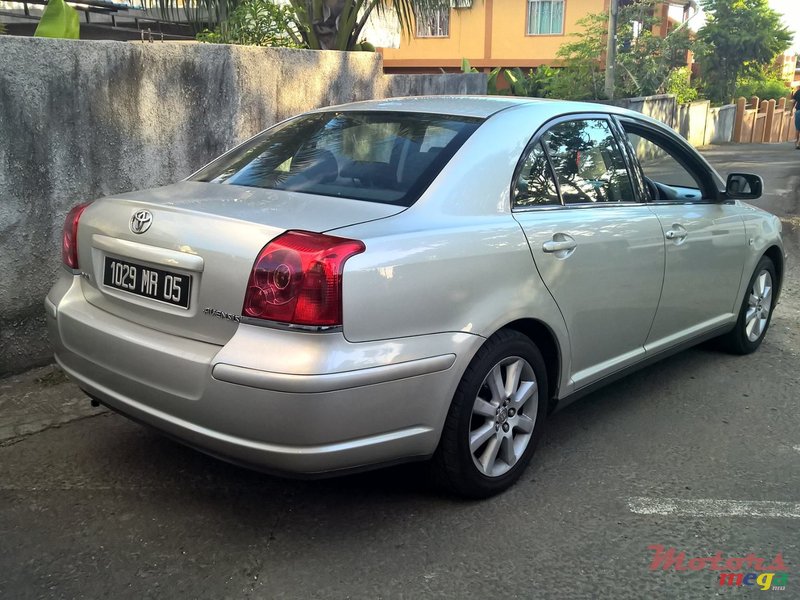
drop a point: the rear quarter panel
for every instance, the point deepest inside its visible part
(472, 276)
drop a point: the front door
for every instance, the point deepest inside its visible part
(704, 240)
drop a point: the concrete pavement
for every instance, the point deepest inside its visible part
(699, 452)
(37, 400)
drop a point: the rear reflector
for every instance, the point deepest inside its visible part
(297, 279)
(69, 236)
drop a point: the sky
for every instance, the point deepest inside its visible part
(791, 17)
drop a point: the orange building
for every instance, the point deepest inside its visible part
(498, 33)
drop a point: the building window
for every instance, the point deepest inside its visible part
(434, 23)
(545, 17)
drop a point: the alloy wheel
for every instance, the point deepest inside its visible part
(503, 416)
(759, 304)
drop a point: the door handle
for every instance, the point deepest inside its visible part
(559, 245)
(675, 234)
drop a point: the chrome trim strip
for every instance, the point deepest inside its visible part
(582, 205)
(329, 382)
(150, 254)
(290, 326)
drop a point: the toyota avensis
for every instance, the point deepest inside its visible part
(415, 278)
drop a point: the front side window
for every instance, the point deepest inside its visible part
(662, 170)
(588, 162)
(434, 23)
(373, 156)
(545, 17)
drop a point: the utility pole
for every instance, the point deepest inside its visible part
(611, 50)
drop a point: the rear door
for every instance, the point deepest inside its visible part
(597, 248)
(704, 237)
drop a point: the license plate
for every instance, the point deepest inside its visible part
(147, 282)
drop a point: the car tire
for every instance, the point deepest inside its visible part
(493, 425)
(755, 313)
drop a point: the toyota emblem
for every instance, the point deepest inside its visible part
(141, 221)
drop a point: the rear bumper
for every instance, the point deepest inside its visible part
(281, 401)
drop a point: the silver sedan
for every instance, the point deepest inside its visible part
(407, 279)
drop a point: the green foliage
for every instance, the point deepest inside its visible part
(491, 83)
(764, 83)
(59, 20)
(644, 60)
(679, 84)
(256, 23)
(2, 28)
(582, 78)
(466, 67)
(535, 83)
(740, 38)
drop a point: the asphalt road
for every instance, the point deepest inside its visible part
(93, 506)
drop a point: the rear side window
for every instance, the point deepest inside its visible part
(588, 162)
(535, 185)
(374, 156)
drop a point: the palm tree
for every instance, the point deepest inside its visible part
(316, 24)
(337, 24)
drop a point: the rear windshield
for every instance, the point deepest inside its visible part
(374, 156)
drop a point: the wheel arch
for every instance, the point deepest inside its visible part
(775, 254)
(547, 343)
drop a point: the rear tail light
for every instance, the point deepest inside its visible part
(69, 236)
(297, 279)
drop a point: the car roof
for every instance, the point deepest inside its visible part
(462, 106)
(483, 107)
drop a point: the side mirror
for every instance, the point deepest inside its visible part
(744, 186)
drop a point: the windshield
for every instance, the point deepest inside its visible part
(375, 156)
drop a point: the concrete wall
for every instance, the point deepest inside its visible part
(83, 119)
(700, 124)
(719, 125)
(691, 121)
(662, 107)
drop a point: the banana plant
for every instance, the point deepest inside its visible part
(535, 83)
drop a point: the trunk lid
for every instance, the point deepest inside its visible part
(198, 248)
